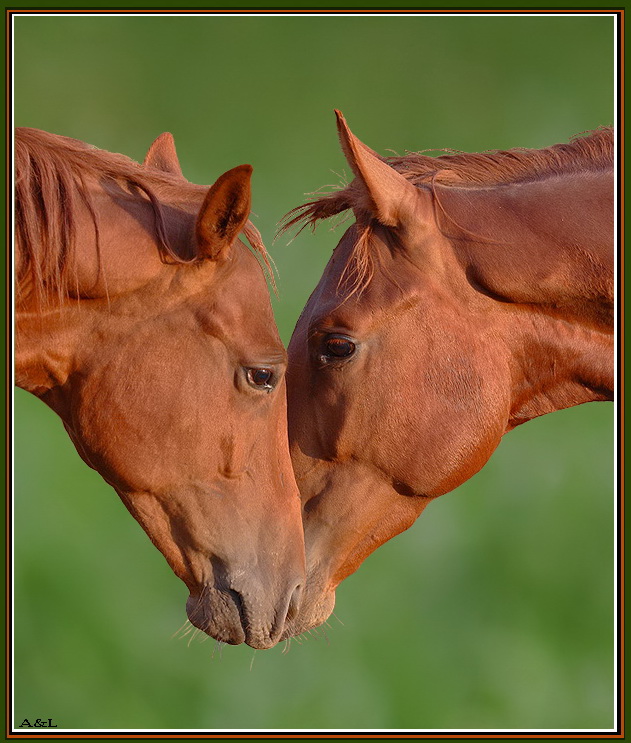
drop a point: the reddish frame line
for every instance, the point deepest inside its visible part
(9, 13)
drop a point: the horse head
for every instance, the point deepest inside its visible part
(449, 313)
(164, 362)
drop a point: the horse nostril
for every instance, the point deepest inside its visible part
(294, 603)
(403, 489)
(238, 602)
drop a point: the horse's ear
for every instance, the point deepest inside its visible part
(387, 194)
(162, 155)
(224, 212)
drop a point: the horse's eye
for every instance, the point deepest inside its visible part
(339, 347)
(260, 378)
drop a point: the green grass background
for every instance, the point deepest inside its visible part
(496, 609)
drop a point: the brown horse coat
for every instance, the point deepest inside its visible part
(144, 322)
(472, 294)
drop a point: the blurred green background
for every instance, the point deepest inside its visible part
(496, 609)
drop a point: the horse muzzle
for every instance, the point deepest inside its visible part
(244, 613)
(315, 609)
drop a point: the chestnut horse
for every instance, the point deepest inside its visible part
(473, 293)
(145, 324)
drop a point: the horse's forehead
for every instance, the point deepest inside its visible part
(233, 300)
(244, 284)
(391, 281)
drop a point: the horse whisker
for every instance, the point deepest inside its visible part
(185, 633)
(218, 644)
(184, 629)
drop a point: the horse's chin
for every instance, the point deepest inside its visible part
(312, 613)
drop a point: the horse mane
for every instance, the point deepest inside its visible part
(587, 152)
(51, 184)
(591, 151)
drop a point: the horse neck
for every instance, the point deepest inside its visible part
(545, 270)
(556, 363)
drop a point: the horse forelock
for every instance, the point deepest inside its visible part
(588, 152)
(51, 175)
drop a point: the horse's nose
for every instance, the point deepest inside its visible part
(244, 608)
(294, 603)
(263, 618)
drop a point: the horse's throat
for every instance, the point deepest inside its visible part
(42, 353)
(560, 364)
